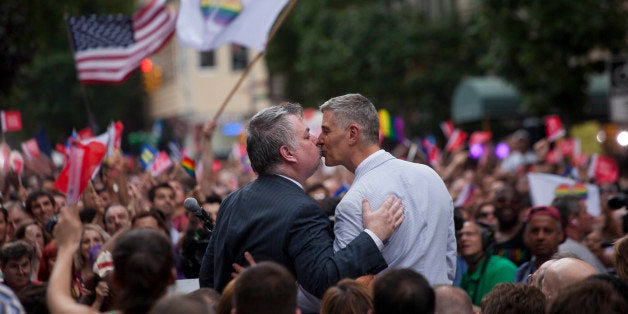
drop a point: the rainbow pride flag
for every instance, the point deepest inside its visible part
(390, 127)
(188, 165)
(223, 11)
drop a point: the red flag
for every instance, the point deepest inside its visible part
(553, 128)
(569, 147)
(160, 164)
(604, 169)
(85, 133)
(84, 160)
(456, 141)
(31, 149)
(11, 120)
(480, 137)
(17, 162)
(115, 137)
(447, 127)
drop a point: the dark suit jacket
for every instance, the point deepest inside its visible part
(275, 220)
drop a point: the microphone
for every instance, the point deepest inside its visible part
(191, 205)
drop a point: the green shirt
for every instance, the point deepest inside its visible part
(485, 277)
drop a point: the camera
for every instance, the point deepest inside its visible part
(618, 201)
(50, 224)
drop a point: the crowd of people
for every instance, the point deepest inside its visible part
(379, 234)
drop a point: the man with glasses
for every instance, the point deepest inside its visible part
(16, 263)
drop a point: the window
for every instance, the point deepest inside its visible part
(239, 57)
(207, 59)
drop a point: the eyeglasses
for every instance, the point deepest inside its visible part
(485, 215)
(530, 279)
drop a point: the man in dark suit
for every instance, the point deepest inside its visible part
(273, 218)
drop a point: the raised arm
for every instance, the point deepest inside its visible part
(207, 158)
(67, 233)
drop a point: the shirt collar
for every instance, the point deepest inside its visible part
(293, 180)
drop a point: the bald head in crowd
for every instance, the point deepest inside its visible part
(452, 300)
(563, 273)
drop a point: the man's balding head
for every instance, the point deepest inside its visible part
(565, 272)
(450, 299)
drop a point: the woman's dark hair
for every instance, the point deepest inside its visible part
(143, 261)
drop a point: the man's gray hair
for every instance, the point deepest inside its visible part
(267, 131)
(355, 108)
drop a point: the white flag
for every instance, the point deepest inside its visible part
(207, 25)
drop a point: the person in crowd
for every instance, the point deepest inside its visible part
(84, 279)
(182, 303)
(60, 200)
(588, 296)
(578, 223)
(564, 272)
(273, 218)
(265, 288)
(621, 257)
(117, 218)
(400, 291)
(485, 269)
(16, 263)
(620, 285)
(521, 153)
(543, 234)
(162, 197)
(509, 241)
(486, 214)
(594, 241)
(142, 260)
(4, 225)
(31, 232)
(17, 214)
(40, 206)
(347, 297)
(33, 299)
(515, 298)
(179, 218)
(153, 219)
(350, 137)
(452, 300)
(225, 305)
(9, 302)
(211, 296)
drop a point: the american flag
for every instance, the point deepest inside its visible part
(107, 48)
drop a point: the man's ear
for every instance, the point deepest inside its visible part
(286, 153)
(354, 133)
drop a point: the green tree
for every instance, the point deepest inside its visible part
(385, 50)
(548, 48)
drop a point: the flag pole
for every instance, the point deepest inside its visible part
(259, 55)
(91, 121)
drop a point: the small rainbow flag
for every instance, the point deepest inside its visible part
(188, 165)
(224, 11)
(578, 189)
(390, 127)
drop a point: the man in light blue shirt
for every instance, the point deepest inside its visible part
(425, 241)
